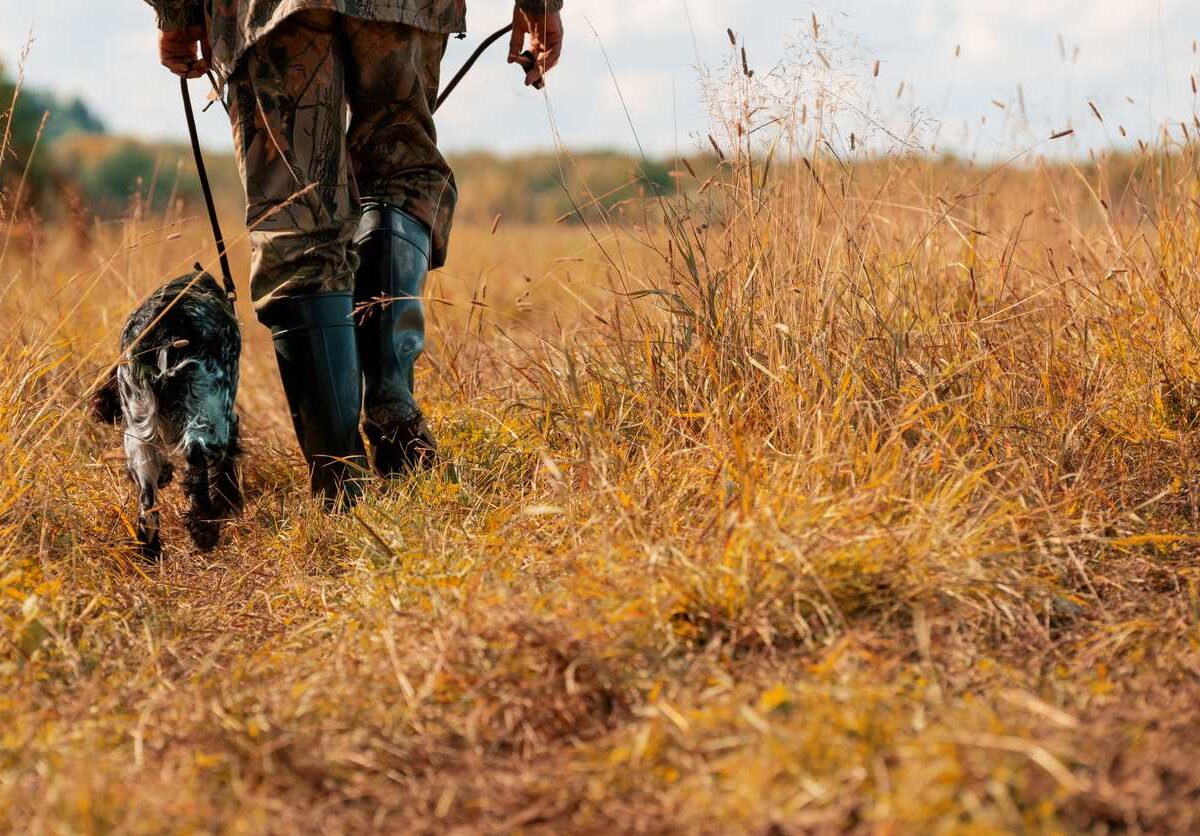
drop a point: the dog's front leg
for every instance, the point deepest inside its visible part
(226, 482)
(201, 516)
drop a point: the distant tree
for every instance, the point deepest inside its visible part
(117, 174)
(22, 119)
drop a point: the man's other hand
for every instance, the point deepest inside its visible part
(186, 52)
(545, 33)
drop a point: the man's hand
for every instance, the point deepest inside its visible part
(545, 32)
(177, 50)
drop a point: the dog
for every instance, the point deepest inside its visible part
(175, 392)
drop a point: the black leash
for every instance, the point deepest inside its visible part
(525, 59)
(226, 274)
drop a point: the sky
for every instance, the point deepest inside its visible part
(636, 73)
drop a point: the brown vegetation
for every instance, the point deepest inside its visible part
(840, 497)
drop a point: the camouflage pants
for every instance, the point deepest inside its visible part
(325, 109)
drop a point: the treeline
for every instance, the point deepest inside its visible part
(78, 164)
(80, 168)
(113, 173)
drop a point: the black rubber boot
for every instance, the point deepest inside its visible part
(318, 364)
(393, 249)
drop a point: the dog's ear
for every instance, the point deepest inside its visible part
(199, 267)
(105, 402)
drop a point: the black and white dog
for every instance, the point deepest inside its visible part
(174, 391)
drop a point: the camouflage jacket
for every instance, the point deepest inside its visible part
(235, 25)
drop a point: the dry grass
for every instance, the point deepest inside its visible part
(846, 498)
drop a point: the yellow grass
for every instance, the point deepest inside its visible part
(853, 498)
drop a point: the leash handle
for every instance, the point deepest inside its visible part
(226, 274)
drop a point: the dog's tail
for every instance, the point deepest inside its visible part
(105, 403)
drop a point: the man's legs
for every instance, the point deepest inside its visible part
(288, 111)
(408, 200)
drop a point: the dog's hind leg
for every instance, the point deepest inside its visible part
(226, 483)
(147, 465)
(201, 518)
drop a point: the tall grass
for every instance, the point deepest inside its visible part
(836, 494)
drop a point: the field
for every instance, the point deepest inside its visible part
(817, 497)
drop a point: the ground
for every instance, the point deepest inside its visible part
(826, 498)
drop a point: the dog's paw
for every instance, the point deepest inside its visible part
(228, 500)
(150, 546)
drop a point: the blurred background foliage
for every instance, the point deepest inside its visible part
(79, 163)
